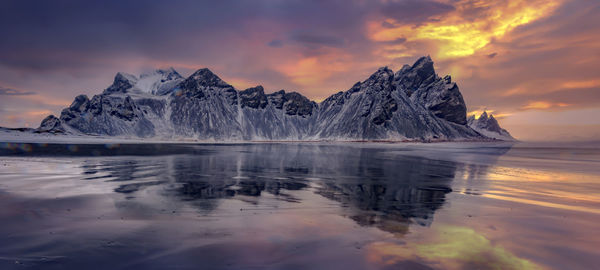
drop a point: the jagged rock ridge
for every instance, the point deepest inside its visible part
(489, 127)
(411, 104)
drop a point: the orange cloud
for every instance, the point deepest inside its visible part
(457, 33)
(43, 99)
(38, 113)
(395, 51)
(519, 90)
(542, 105)
(310, 71)
(240, 84)
(25, 118)
(582, 84)
(549, 86)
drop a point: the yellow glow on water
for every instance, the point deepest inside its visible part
(458, 34)
(543, 203)
(450, 247)
(519, 175)
(555, 194)
(513, 185)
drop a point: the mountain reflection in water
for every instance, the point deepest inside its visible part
(377, 191)
(240, 206)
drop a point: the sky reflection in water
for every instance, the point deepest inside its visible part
(295, 206)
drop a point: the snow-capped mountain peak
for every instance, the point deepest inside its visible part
(205, 77)
(157, 82)
(411, 104)
(122, 82)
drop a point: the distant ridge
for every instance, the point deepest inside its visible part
(489, 127)
(413, 103)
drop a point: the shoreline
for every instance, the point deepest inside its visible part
(91, 139)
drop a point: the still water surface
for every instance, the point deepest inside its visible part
(299, 206)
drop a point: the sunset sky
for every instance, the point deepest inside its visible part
(534, 64)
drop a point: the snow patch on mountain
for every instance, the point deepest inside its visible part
(157, 82)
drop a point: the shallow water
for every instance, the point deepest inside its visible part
(299, 206)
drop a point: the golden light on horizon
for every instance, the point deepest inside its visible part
(477, 113)
(241, 84)
(456, 35)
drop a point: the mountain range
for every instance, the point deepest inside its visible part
(413, 104)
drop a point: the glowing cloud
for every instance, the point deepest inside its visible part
(582, 84)
(472, 26)
(39, 113)
(312, 70)
(241, 83)
(541, 105)
(477, 113)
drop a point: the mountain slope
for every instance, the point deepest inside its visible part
(411, 104)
